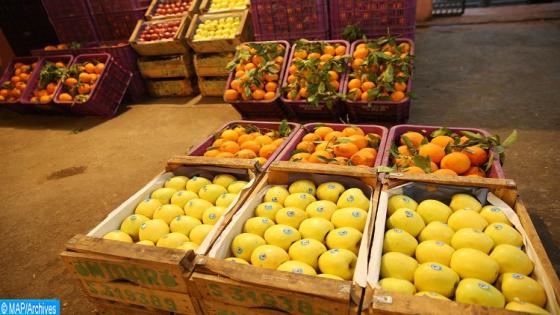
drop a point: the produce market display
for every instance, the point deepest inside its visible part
(49, 78)
(80, 80)
(226, 5)
(159, 31)
(167, 8)
(217, 28)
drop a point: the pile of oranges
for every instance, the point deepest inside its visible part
(80, 81)
(11, 90)
(448, 155)
(315, 71)
(351, 146)
(257, 72)
(51, 74)
(380, 71)
(248, 142)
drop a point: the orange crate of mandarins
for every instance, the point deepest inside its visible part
(261, 141)
(80, 81)
(14, 81)
(445, 151)
(338, 144)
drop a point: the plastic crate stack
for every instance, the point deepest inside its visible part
(212, 56)
(71, 20)
(165, 60)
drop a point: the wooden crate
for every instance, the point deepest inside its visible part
(212, 65)
(107, 307)
(212, 86)
(245, 33)
(378, 301)
(148, 276)
(205, 7)
(171, 87)
(227, 287)
(175, 46)
(179, 66)
(194, 9)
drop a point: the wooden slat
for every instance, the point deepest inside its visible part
(132, 294)
(368, 175)
(183, 160)
(107, 307)
(453, 180)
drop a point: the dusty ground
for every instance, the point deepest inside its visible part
(62, 175)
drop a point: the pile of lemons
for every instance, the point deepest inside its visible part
(462, 250)
(180, 214)
(305, 229)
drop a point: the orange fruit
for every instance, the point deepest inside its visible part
(245, 154)
(403, 149)
(300, 157)
(340, 50)
(84, 89)
(271, 87)
(323, 131)
(249, 66)
(475, 171)
(99, 68)
(89, 67)
(251, 145)
(257, 60)
(345, 149)
(335, 84)
(433, 167)
(84, 78)
(65, 97)
(51, 87)
(229, 146)
(225, 155)
(311, 137)
(306, 146)
(244, 138)
(333, 75)
(366, 86)
(262, 140)
(415, 137)
(360, 53)
(236, 84)
(333, 135)
(355, 84)
(477, 155)
(240, 130)
(329, 50)
(278, 142)
(15, 79)
(44, 99)
(269, 96)
(434, 151)
(456, 161)
(400, 86)
(271, 77)
(291, 78)
(314, 56)
(444, 172)
(292, 69)
(279, 60)
(267, 150)
(350, 131)
(365, 156)
(229, 134)
(359, 140)
(261, 160)
(324, 146)
(303, 92)
(301, 54)
(442, 141)
(211, 153)
(357, 63)
(364, 97)
(218, 142)
(414, 170)
(397, 96)
(258, 94)
(71, 82)
(403, 161)
(320, 157)
(325, 58)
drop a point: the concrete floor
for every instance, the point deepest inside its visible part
(62, 175)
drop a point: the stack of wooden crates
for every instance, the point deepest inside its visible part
(167, 65)
(212, 56)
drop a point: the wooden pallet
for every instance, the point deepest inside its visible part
(227, 287)
(178, 66)
(220, 45)
(171, 87)
(147, 276)
(377, 301)
(212, 65)
(212, 86)
(175, 46)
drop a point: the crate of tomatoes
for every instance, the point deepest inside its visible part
(44, 83)
(445, 151)
(160, 37)
(379, 85)
(170, 9)
(93, 85)
(14, 82)
(312, 86)
(253, 86)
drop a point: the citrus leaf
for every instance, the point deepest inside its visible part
(423, 162)
(385, 169)
(409, 145)
(511, 139)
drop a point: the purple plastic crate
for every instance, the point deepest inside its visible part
(107, 92)
(6, 76)
(34, 81)
(290, 19)
(271, 109)
(201, 148)
(308, 112)
(117, 25)
(307, 128)
(374, 18)
(379, 110)
(70, 51)
(395, 133)
(66, 8)
(113, 6)
(75, 29)
(137, 88)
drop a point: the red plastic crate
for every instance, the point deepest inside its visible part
(113, 6)
(290, 19)
(308, 112)
(75, 29)
(373, 17)
(201, 148)
(107, 93)
(395, 133)
(117, 25)
(66, 8)
(388, 111)
(34, 81)
(310, 127)
(263, 110)
(8, 73)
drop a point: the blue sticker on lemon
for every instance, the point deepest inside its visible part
(356, 214)
(342, 232)
(287, 231)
